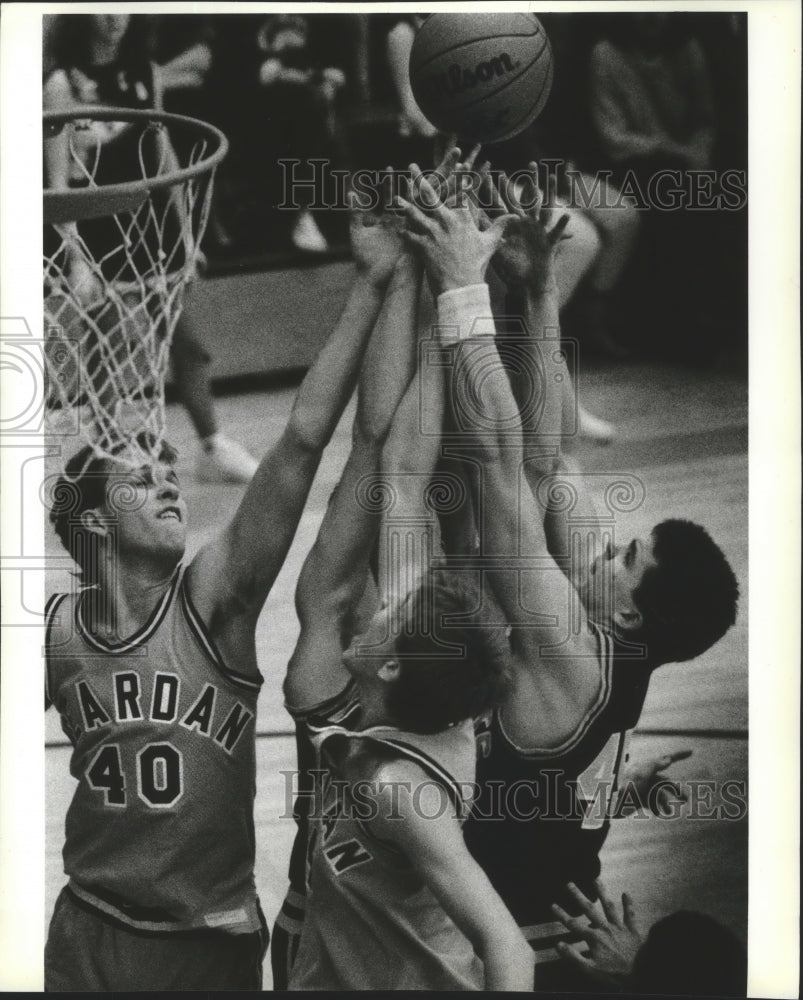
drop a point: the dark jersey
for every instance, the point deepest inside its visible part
(541, 815)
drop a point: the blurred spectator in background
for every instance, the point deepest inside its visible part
(416, 134)
(181, 47)
(300, 100)
(275, 99)
(651, 96)
(105, 59)
(592, 262)
(652, 108)
(632, 94)
(723, 38)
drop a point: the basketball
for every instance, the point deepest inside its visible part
(483, 76)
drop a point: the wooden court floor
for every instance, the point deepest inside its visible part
(684, 434)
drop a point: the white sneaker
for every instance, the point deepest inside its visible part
(594, 428)
(224, 461)
(307, 236)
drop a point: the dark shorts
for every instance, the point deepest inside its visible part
(87, 953)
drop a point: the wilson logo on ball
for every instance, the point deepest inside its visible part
(457, 79)
(484, 76)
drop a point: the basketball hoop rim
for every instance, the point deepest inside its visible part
(75, 204)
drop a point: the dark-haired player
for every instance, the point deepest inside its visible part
(582, 642)
(152, 667)
(395, 900)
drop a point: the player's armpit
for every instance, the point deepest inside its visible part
(315, 673)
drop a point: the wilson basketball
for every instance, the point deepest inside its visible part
(483, 76)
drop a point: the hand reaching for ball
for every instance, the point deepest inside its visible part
(375, 242)
(455, 251)
(526, 258)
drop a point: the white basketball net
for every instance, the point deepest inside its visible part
(112, 300)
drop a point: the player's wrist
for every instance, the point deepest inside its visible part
(372, 285)
(464, 312)
(408, 264)
(467, 278)
(542, 287)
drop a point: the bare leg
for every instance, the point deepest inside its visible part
(222, 460)
(191, 372)
(576, 256)
(619, 228)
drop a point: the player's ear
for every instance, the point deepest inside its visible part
(389, 671)
(92, 521)
(628, 619)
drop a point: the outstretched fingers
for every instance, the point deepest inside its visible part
(424, 195)
(631, 921)
(549, 207)
(490, 191)
(577, 925)
(572, 955)
(586, 906)
(417, 221)
(446, 168)
(608, 905)
(386, 188)
(558, 231)
(509, 195)
(538, 198)
(470, 160)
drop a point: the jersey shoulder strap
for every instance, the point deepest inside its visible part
(204, 638)
(605, 661)
(449, 756)
(332, 711)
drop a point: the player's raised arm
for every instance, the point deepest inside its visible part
(456, 254)
(334, 574)
(232, 576)
(526, 262)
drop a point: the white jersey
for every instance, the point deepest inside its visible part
(160, 831)
(371, 922)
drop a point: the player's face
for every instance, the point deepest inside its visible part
(148, 509)
(612, 579)
(374, 647)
